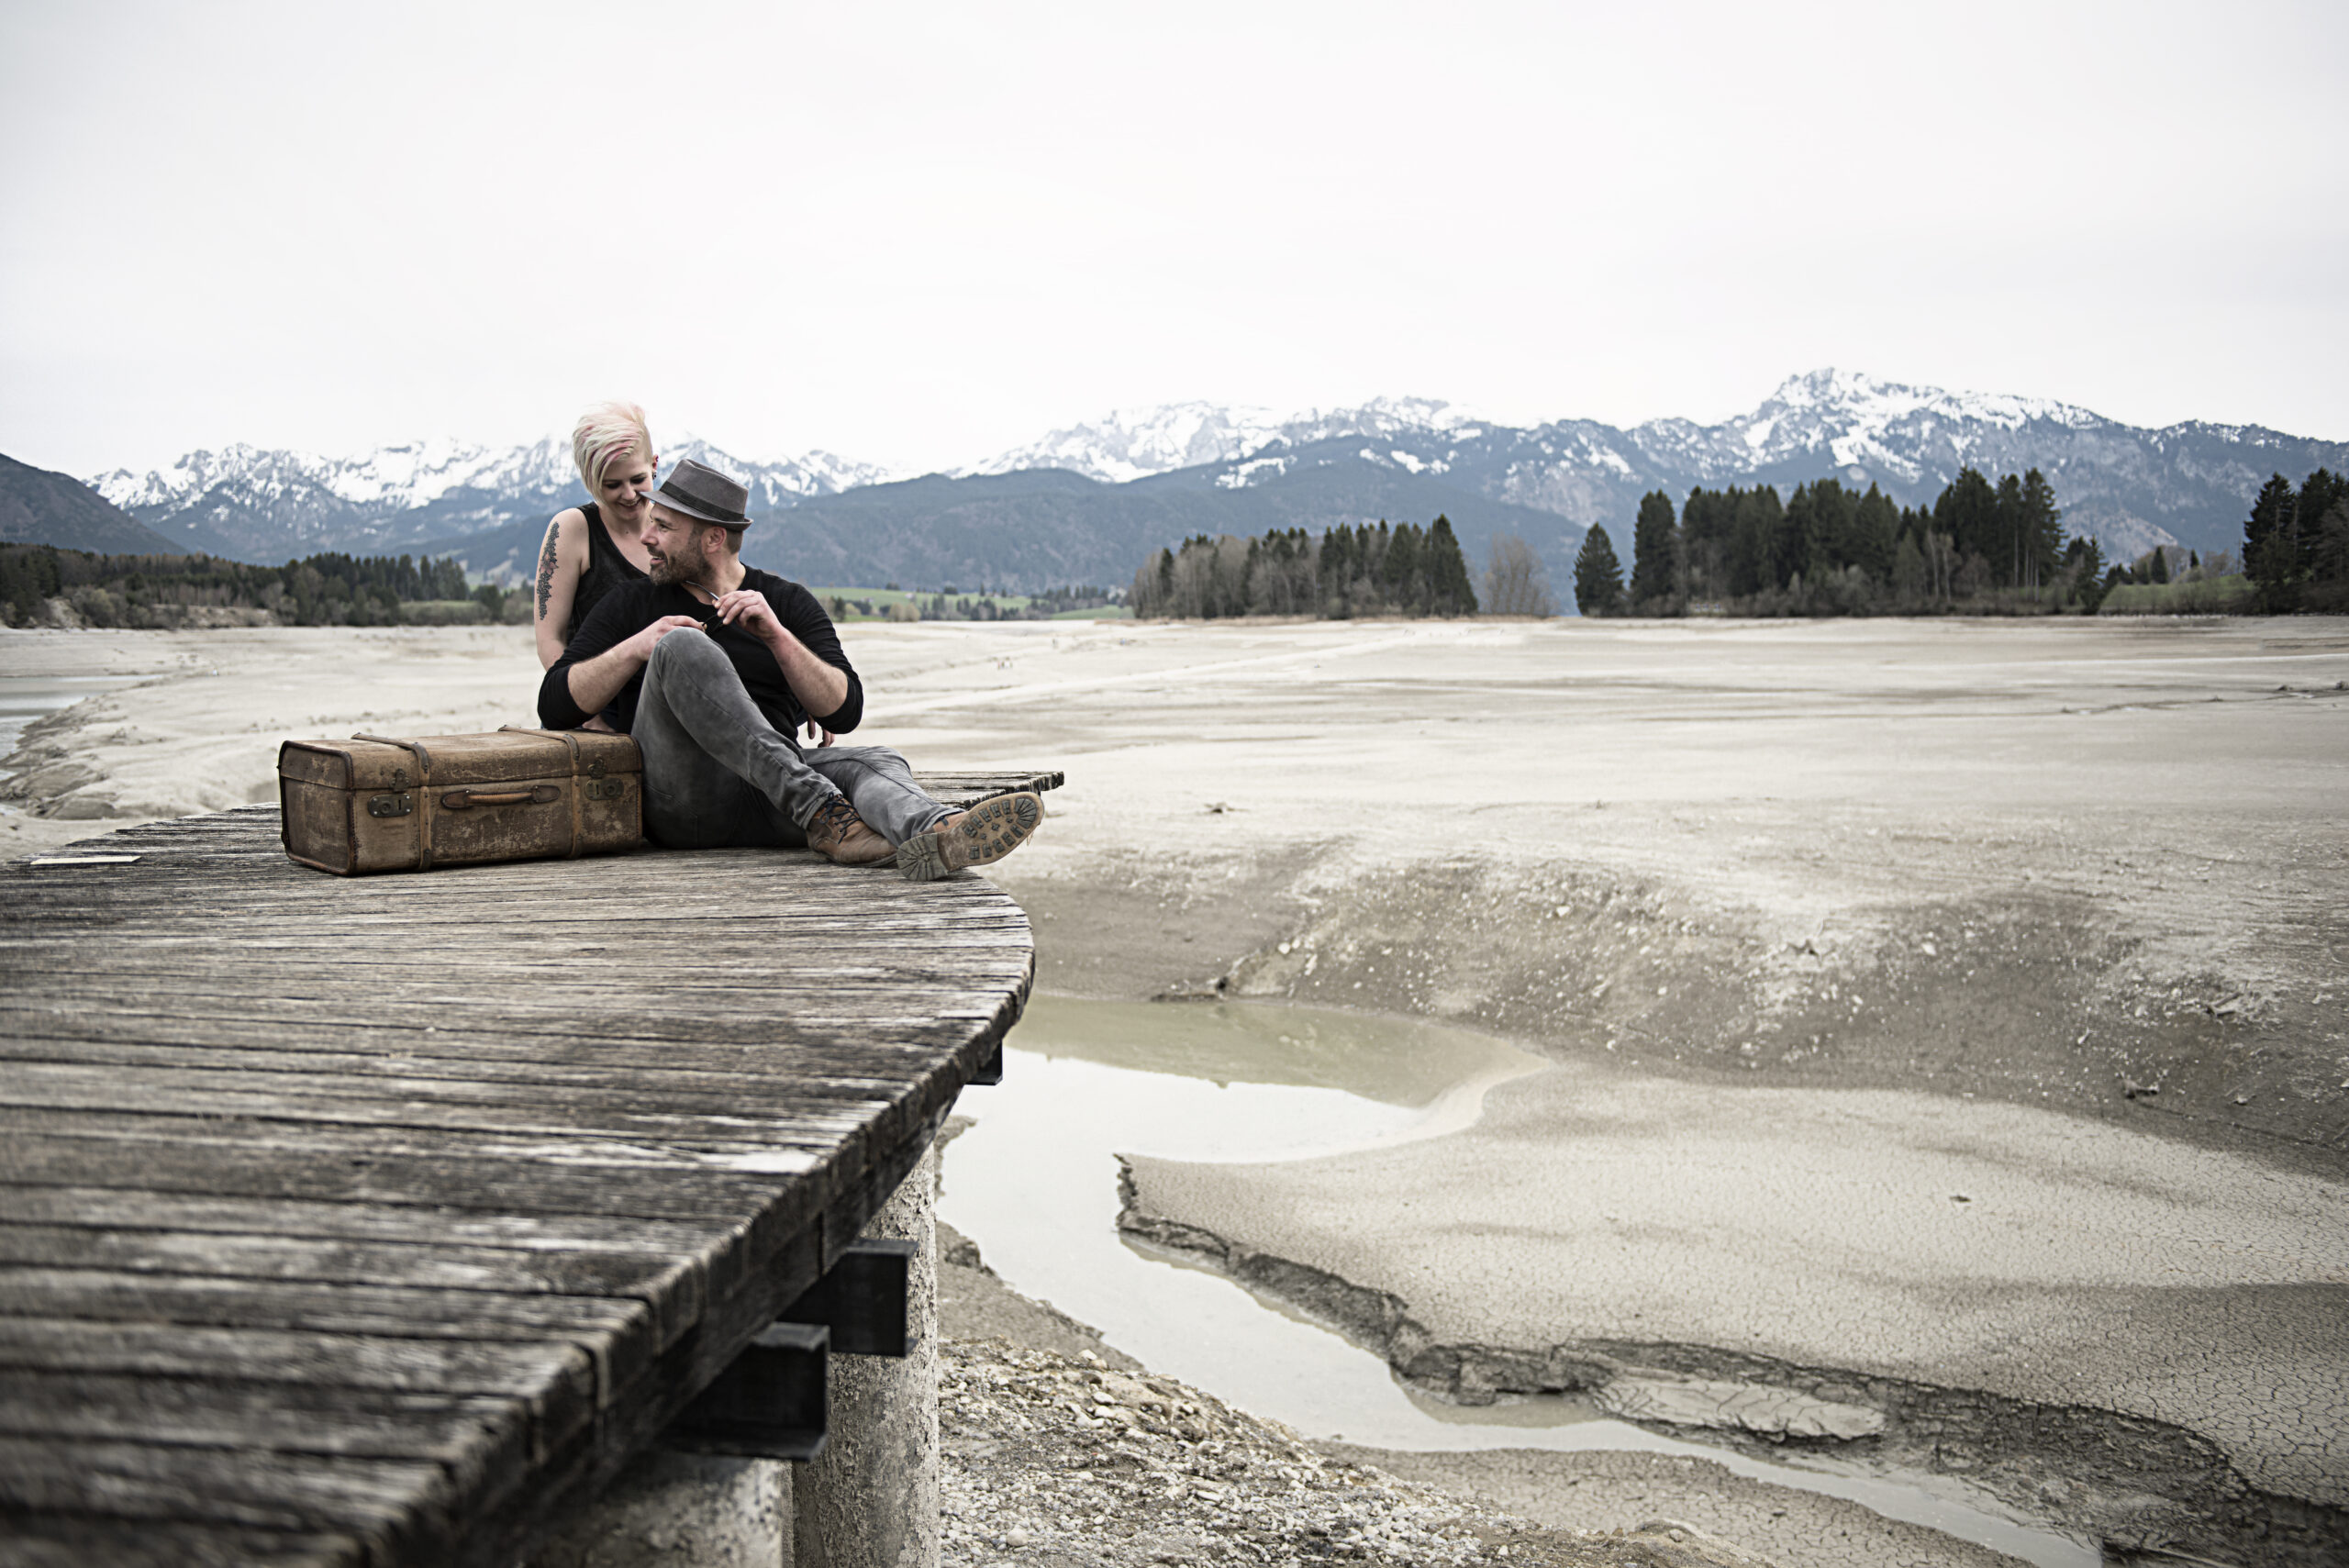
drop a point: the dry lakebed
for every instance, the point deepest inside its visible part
(1850, 1093)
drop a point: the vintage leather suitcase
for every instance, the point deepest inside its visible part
(372, 804)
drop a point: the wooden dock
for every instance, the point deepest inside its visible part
(378, 1221)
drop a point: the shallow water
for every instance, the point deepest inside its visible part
(1034, 1183)
(24, 698)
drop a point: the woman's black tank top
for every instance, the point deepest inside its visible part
(606, 570)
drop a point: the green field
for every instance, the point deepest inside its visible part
(959, 607)
(2210, 597)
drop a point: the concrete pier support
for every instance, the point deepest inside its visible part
(683, 1510)
(870, 1499)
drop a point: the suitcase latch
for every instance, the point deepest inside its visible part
(596, 770)
(607, 789)
(390, 804)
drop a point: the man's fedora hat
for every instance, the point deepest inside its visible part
(699, 491)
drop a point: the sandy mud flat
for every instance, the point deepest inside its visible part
(1947, 1019)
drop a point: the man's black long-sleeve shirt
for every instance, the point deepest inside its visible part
(631, 608)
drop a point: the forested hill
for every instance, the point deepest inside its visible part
(37, 507)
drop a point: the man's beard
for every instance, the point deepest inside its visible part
(687, 567)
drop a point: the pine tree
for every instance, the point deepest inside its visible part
(2086, 559)
(1405, 582)
(1598, 576)
(2271, 543)
(2320, 493)
(2043, 532)
(1759, 517)
(1449, 591)
(1876, 528)
(1967, 511)
(1829, 528)
(1655, 557)
(1790, 543)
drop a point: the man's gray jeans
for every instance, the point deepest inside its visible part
(716, 773)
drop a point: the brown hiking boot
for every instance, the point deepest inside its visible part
(981, 836)
(840, 835)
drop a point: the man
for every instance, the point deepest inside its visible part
(714, 667)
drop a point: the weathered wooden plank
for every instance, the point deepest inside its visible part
(551, 1114)
(673, 1288)
(479, 1441)
(755, 1102)
(140, 1209)
(257, 1023)
(616, 1331)
(680, 1068)
(823, 1042)
(668, 1266)
(695, 1013)
(621, 910)
(385, 986)
(553, 1382)
(132, 1130)
(838, 1077)
(37, 1541)
(237, 1159)
(393, 1508)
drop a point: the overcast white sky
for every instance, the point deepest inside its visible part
(925, 233)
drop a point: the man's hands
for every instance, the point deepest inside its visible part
(746, 609)
(819, 687)
(640, 646)
(595, 682)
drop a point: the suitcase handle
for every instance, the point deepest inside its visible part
(465, 799)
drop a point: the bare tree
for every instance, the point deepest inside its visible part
(1515, 581)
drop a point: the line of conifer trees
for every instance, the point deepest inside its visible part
(156, 590)
(1828, 549)
(2296, 544)
(1341, 573)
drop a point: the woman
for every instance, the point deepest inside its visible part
(592, 548)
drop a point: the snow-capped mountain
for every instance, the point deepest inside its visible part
(253, 504)
(2133, 488)
(1076, 505)
(1128, 444)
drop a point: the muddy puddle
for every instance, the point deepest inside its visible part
(1034, 1183)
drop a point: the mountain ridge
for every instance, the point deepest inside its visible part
(1245, 468)
(39, 506)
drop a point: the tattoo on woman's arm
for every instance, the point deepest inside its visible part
(546, 572)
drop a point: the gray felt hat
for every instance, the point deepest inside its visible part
(699, 491)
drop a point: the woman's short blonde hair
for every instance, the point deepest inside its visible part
(604, 434)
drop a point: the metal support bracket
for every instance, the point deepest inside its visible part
(770, 1404)
(862, 1298)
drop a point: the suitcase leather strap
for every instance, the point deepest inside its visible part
(423, 779)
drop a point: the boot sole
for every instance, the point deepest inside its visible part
(988, 831)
